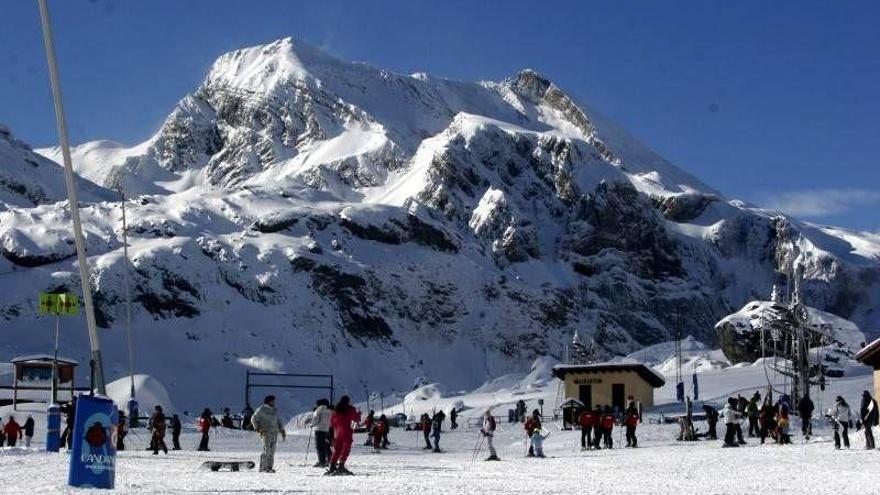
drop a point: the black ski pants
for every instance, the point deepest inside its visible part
(586, 436)
(631, 439)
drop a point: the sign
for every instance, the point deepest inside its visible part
(53, 428)
(93, 456)
(59, 304)
(587, 381)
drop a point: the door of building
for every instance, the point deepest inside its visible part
(585, 395)
(618, 396)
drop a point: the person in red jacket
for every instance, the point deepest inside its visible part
(587, 420)
(606, 422)
(631, 420)
(378, 433)
(205, 429)
(343, 416)
(13, 432)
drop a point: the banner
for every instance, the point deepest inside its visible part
(93, 456)
(59, 304)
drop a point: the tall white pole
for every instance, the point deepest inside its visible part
(127, 293)
(97, 366)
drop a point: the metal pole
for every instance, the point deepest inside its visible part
(127, 293)
(55, 362)
(73, 203)
(247, 387)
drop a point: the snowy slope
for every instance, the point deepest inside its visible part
(399, 230)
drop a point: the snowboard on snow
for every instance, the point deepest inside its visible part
(228, 465)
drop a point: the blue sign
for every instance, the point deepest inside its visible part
(93, 455)
(53, 428)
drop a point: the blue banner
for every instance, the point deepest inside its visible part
(93, 455)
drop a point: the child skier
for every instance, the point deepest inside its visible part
(378, 433)
(13, 432)
(28, 430)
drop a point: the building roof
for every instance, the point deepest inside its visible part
(655, 379)
(870, 354)
(42, 358)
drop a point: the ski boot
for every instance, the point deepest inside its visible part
(332, 470)
(341, 469)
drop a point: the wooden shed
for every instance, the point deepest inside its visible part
(609, 384)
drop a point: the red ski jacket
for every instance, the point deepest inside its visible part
(607, 421)
(587, 419)
(341, 422)
(632, 419)
(204, 425)
(12, 429)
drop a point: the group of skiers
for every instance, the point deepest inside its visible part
(598, 424)
(768, 419)
(431, 427)
(11, 432)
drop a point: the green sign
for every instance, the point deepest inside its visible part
(59, 304)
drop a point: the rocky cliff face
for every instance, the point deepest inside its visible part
(392, 229)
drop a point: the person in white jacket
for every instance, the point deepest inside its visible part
(267, 423)
(321, 425)
(488, 432)
(841, 415)
(732, 418)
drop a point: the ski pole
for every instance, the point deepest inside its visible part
(308, 446)
(476, 446)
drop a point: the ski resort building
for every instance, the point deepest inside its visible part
(870, 356)
(32, 380)
(609, 383)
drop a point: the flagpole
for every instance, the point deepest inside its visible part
(73, 203)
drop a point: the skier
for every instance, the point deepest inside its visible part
(268, 425)
(385, 429)
(321, 424)
(752, 413)
(805, 411)
(13, 432)
(533, 430)
(488, 432)
(841, 416)
(712, 420)
(783, 433)
(157, 425)
(521, 411)
(436, 427)
(377, 433)
(741, 406)
(453, 415)
(425, 421)
(767, 419)
(246, 414)
(28, 430)
(597, 427)
(731, 420)
(631, 421)
(868, 413)
(226, 419)
(343, 416)
(175, 432)
(205, 429)
(368, 426)
(69, 411)
(607, 424)
(120, 431)
(587, 420)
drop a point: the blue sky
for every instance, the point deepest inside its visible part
(771, 102)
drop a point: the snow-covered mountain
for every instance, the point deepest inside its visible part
(303, 213)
